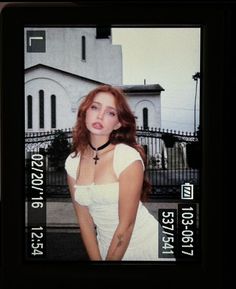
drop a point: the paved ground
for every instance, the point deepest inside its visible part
(65, 246)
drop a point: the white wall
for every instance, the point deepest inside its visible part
(63, 51)
(152, 103)
(153, 118)
(69, 91)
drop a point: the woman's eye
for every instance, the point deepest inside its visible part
(94, 107)
(111, 113)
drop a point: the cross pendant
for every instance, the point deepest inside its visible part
(96, 158)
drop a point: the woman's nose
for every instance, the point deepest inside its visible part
(100, 114)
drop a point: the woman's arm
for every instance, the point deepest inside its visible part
(130, 185)
(87, 228)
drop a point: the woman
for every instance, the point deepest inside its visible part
(106, 180)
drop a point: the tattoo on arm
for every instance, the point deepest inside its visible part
(120, 240)
(113, 254)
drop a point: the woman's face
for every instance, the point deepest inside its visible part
(101, 116)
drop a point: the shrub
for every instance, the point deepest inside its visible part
(58, 150)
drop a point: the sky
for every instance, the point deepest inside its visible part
(168, 57)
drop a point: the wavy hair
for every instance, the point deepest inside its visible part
(125, 134)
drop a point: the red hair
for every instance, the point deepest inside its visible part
(125, 134)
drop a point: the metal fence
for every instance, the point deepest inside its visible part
(173, 158)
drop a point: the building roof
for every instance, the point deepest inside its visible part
(34, 67)
(142, 88)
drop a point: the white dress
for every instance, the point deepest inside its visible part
(102, 202)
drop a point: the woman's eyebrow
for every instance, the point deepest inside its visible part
(111, 107)
(97, 102)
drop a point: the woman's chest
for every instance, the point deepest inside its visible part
(94, 194)
(100, 173)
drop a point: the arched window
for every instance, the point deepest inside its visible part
(83, 55)
(41, 109)
(145, 118)
(53, 111)
(29, 111)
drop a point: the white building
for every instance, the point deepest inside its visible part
(145, 101)
(63, 64)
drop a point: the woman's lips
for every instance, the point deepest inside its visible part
(97, 125)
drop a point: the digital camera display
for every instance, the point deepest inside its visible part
(115, 143)
(144, 108)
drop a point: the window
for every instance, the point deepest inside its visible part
(145, 118)
(41, 109)
(29, 111)
(83, 48)
(53, 111)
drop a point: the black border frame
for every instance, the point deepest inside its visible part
(215, 20)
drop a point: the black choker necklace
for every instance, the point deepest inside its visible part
(96, 158)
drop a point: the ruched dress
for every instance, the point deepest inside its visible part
(102, 202)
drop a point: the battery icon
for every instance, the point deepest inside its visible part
(187, 191)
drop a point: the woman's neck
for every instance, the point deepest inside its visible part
(97, 141)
